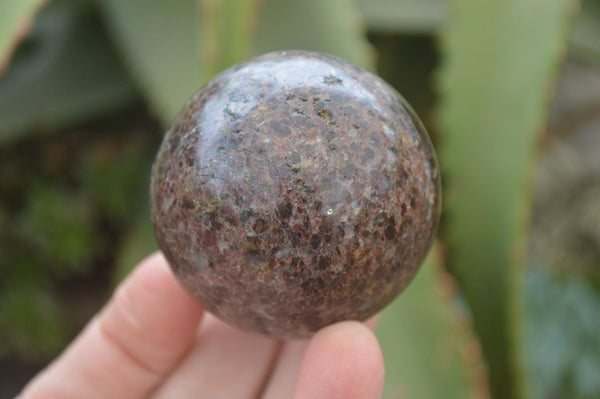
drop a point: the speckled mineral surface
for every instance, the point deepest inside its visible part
(293, 191)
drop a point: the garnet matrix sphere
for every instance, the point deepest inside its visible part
(293, 191)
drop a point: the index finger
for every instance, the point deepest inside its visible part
(131, 345)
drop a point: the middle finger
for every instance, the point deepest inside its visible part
(224, 363)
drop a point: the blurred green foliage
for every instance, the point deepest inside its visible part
(64, 199)
(86, 87)
(562, 330)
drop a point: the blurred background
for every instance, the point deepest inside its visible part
(508, 302)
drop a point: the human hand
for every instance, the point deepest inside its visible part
(152, 340)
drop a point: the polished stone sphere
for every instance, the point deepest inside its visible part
(293, 191)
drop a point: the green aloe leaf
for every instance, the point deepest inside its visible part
(16, 19)
(501, 59)
(410, 16)
(228, 28)
(160, 42)
(332, 26)
(66, 73)
(427, 343)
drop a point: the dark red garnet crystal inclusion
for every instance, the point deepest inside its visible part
(293, 191)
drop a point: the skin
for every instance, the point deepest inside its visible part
(152, 340)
